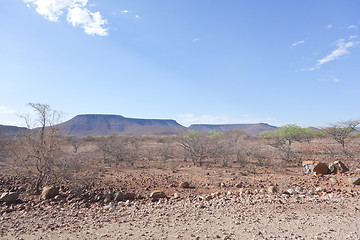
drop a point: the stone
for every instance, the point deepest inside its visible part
(49, 192)
(337, 167)
(129, 196)
(157, 194)
(320, 169)
(333, 180)
(300, 190)
(308, 166)
(9, 197)
(238, 185)
(272, 189)
(118, 196)
(290, 191)
(176, 195)
(354, 180)
(317, 168)
(184, 185)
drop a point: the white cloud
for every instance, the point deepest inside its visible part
(124, 11)
(352, 27)
(341, 50)
(352, 37)
(329, 79)
(6, 110)
(77, 14)
(329, 26)
(196, 40)
(138, 17)
(92, 23)
(188, 119)
(297, 43)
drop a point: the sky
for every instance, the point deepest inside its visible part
(196, 61)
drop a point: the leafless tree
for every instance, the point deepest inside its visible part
(39, 145)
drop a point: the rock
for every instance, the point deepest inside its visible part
(290, 191)
(157, 195)
(49, 192)
(176, 195)
(223, 185)
(118, 196)
(238, 185)
(333, 180)
(316, 167)
(272, 189)
(319, 189)
(129, 196)
(9, 197)
(337, 167)
(300, 190)
(354, 180)
(184, 185)
(308, 166)
(320, 169)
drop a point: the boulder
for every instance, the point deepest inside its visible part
(184, 185)
(157, 195)
(308, 166)
(337, 167)
(317, 168)
(320, 169)
(354, 180)
(49, 192)
(9, 197)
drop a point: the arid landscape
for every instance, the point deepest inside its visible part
(287, 183)
(179, 119)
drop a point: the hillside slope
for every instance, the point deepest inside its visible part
(103, 125)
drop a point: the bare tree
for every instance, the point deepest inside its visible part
(39, 145)
(196, 146)
(74, 141)
(341, 130)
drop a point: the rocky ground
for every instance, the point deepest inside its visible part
(218, 204)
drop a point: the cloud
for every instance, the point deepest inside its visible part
(210, 119)
(329, 26)
(188, 119)
(92, 23)
(329, 79)
(352, 37)
(77, 14)
(6, 110)
(195, 40)
(297, 43)
(341, 50)
(124, 11)
(352, 27)
(138, 17)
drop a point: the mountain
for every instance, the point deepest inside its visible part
(10, 131)
(103, 125)
(250, 129)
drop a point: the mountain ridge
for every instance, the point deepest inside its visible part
(105, 124)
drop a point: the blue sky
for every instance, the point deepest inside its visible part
(195, 61)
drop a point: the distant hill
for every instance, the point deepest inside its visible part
(250, 129)
(103, 125)
(10, 131)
